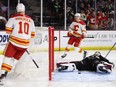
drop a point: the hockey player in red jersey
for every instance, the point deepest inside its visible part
(21, 29)
(95, 62)
(77, 32)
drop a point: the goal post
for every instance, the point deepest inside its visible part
(51, 51)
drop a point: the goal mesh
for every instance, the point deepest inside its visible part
(41, 49)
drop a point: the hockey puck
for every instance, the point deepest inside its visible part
(79, 72)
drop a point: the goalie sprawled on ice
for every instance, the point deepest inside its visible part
(95, 62)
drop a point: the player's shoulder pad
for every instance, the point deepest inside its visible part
(81, 22)
(28, 16)
(15, 15)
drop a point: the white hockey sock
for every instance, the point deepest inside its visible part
(78, 49)
(7, 64)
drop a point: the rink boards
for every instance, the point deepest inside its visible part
(103, 40)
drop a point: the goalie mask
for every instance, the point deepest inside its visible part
(66, 67)
(97, 53)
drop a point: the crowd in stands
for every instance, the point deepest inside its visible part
(97, 14)
(3, 15)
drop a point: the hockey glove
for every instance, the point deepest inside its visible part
(69, 34)
(113, 65)
(82, 36)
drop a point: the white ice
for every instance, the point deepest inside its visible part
(30, 76)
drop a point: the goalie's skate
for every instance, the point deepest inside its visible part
(2, 77)
(84, 54)
(64, 55)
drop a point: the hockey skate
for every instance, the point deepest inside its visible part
(2, 77)
(64, 55)
(84, 54)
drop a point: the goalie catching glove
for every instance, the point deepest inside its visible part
(104, 68)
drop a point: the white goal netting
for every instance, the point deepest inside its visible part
(25, 67)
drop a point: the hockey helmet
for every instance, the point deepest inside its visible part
(20, 7)
(97, 53)
(77, 15)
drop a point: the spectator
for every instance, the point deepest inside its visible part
(92, 3)
(86, 3)
(57, 11)
(110, 24)
(2, 20)
(55, 7)
(104, 21)
(3, 9)
(83, 16)
(92, 22)
(82, 7)
(70, 16)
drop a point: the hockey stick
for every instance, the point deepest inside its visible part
(110, 49)
(32, 59)
(77, 37)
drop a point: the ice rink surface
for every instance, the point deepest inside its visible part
(30, 76)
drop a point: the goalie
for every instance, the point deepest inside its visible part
(95, 62)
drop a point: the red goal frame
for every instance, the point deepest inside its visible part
(51, 50)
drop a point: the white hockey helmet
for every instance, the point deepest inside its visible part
(20, 7)
(77, 15)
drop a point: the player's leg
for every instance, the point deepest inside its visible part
(8, 61)
(79, 65)
(66, 67)
(104, 68)
(19, 53)
(78, 48)
(67, 49)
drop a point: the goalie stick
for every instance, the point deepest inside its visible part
(110, 49)
(32, 59)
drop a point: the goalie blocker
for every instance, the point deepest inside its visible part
(95, 62)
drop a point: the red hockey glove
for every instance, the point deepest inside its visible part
(82, 36)
(69, 34)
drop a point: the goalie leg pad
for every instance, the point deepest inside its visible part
(66, 67)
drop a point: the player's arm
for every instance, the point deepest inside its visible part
(33, 30)
(66, 66)
(70, 30)
(84, 31)
(4, 19)
(9, 26)
(104, 59)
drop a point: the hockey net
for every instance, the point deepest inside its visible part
(41, 49)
